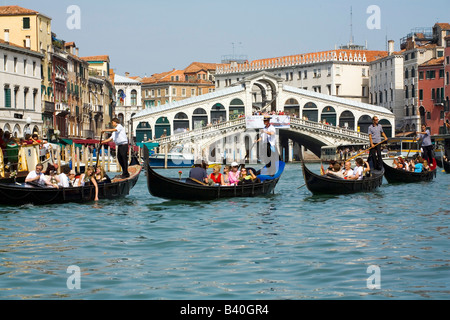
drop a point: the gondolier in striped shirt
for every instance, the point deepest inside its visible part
(119, 137)
(375, 133)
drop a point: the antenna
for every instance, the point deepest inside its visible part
(351, 25)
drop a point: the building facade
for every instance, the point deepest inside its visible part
(387, 82)
(32, 30)
(99, 108)
(129, 103)
(20, 94)
(342, 72)
(163, 88)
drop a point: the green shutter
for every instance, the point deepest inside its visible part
(26, 23)
(7, 97)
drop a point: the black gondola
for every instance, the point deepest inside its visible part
(446, 166)
(394, 175)
(324, 184)
(25, 193)
(183, 189)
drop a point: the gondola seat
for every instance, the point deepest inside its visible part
(264, 177)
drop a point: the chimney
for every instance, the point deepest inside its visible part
(390, 47)
(127, 74)
(76, 52)
(6, 35)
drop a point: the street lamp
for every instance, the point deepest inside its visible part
(28, 130)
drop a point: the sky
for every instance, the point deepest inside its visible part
(144, 37)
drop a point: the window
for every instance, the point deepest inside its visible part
(441, 74)
(183, 92)
(166, 92)
(7, 92)
(440, 53)
(421, 94)
(305, 74)
(174, 91)
(433, 94)
(158, 93)
(406, 74)
(34, 68)
(5, 62)
(406, 92)
(428, 115)
(420, 75)
(133, 97)
(26, 23)
(192, 92)
(15, 64)
(25, 66)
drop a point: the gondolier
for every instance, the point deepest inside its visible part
(268, 138)
(119, 137)
(375, 132)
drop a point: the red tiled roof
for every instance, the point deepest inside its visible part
(370, 55)
(195, 67)
(95, 58)
(444, 26)
(15, 11)
(15, 45)
(433, 62)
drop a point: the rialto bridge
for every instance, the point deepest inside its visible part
(214, 125)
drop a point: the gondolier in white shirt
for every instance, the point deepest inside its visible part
(119, 137)
(268, 138)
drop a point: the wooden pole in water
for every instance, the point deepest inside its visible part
(77, 150)
(59, 159)
(109, 158)
(166, 150)
(72, 149)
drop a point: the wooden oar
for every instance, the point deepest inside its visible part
(195, 180)
(98, 149)
(366, 150)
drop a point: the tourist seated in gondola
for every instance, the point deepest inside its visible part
(247, 176)
(426, 166)
(101, 176)
(226, 171)
(400, 163)
(216, 178)
(335, 172)
(37, 177)
(198, 173)
(358, 171)
(418, 166)
(74, 180)
(233, 175)
(347, 170)
(63, 178)
(88, 178)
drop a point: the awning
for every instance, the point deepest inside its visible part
(86, 141)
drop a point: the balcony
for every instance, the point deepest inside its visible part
(61, 106)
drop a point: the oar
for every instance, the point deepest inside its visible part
(414, 140)
(366, 150)
(202, 183)
(98, 149)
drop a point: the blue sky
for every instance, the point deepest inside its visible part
(147, 37)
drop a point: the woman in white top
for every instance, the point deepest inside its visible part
(358, 172)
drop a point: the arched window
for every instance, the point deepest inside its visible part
(237, 109)
(310, 112)
(133, 97)
(347, 120)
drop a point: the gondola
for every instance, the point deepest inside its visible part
(446, 166)
(394, 175)
(324, 184)
(186, 189)
(26, 193)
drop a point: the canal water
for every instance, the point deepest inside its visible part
(389, 244)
